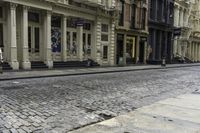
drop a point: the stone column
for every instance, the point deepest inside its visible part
(80, 41)
(179, 47)
(193, 51)
(137, 49)
(175, 46)
(12, 38)
(47, 40)
(112, 44)
(24, 31)
(176, 15)
(97, 32)
(64, 38)
(145, 52)
(181, 17)
(124, 50)
(189, 50)
(196, 52)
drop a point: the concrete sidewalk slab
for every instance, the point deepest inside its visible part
(12, 75)
(174, 115)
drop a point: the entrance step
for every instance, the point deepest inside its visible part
(69, 64)
(38, 65)
(6, 66)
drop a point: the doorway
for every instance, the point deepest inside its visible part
(130, 50)
(34, 43)
(120, 47)
(141, 52)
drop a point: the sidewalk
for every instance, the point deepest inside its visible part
(12, 75)
(174, 115)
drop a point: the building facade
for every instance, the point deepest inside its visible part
(56, 30)
(160, 30)
(131, 31)
(187, 18)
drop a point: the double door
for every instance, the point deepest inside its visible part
(34, 42)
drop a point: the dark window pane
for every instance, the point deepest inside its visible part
(143, 18)
(104, 37)
(87, 26)
(105, 52)
(104, 28)
(34, 17)
(121, 13)
(71, 23)
(1, 12)
(29, 39)
(133, 16)
(89, 44)
(37, 40)
(56, 21)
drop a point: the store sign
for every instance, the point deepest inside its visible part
(80, 22)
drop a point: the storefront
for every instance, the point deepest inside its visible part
(131, 49)
(42, 32)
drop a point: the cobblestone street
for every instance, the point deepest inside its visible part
(63, 104)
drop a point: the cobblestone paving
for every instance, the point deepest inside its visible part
(65, 103)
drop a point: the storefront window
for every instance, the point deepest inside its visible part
(68, 43)
(89, 45)
(56, 33)
(74, 44)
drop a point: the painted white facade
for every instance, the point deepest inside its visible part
(23, 20)
(187, 17)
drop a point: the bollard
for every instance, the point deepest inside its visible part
(163, 64)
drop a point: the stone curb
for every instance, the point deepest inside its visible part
(96, 72)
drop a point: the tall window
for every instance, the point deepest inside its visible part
(1, 12)
(121, 13)
(159, 10)
(152, 9)
(133, 15)
(171, 12)
(143, 18)
(104, 39)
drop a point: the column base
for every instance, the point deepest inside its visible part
(14, 65)
(26, 65)
(49, 64)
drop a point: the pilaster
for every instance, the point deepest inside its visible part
(124, 49)
(47, 40)
(64, 38)
(98, 40)
(12, 38)
(80, 42)
(112, 44)
(24, 31)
